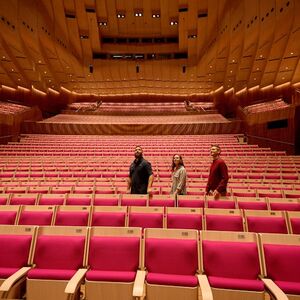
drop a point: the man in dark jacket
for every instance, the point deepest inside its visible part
(218, 174)
(140, 174)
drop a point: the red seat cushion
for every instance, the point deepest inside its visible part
(282, 265)
(285, 206)
(236, 283)
(220, 204)
(72, 218)
(59, 252)
(185, 221)
(108, 219)
(266, 224)
(51, 274)
(295, 222)
(144, 220)
(78, 201)
(171, 256)
(171, 279)
(231, 259)
(115, 276)
(105, 202)
(253, 205)
(164, 203)
(35, 218)
(114, 253)
(8, 217)
(51, 201)
(23, 201)
(191, 203)
(289, 287)
(6, 272)
(14, 250)
(224, 222)
(134, 202)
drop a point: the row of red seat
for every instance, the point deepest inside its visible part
(153, 217)
(191, 201)
(53, 262)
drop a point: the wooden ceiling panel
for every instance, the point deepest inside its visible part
(268, 78)
(94, 32)
(228, 42)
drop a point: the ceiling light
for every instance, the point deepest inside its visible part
(155, 15)
(120, 15)
(103, 23)
(138, 14)
(39, 61)
(3, 57)
(173, 23)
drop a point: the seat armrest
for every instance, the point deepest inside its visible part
(11, 280)
(139, 289)
(74, 281)
(205, 292)
(274, 289)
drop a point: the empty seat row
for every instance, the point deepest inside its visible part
(117, 263)
(153, 217)
(278, 191)
(247, 202)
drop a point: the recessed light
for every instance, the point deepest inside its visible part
(3, 57)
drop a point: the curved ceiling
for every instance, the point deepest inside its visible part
(158, 47)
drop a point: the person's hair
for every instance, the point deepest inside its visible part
(217, 146)
(138, 146)
(180, 162)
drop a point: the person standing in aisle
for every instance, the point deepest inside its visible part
(140, 174)
(179, 176)
(218, 174)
